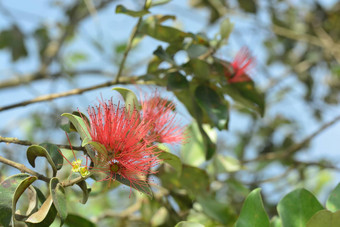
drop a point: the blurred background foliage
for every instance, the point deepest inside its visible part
(241, 135)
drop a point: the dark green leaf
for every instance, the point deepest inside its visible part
(297, 207)
(176, 81)
(170, 159)
(160, 53)
(333, 201)
(86, 191)
(43, 39)
(213, 105)
(246, 94)
(140, 185)
(7, 190)
(13, 39)
(248, 5)
(53, 150)
(122, 9)
(35, 151)
(325, 218)
(196, 50)
(59, 199)
(253, 212)
(199, 67)
(76, 220)
(195, 180)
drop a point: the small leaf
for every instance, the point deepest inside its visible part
(76, 220)
(130, 98)
(159, 2)
(333, 202)
(35, 151)
(226, 28)
(325, 218)
(45, 215)
(252, 212)
(170, 159)
(80, 125)
(86, 191)
(160, 53)
(297, 207)
(7, 190)
(53, 150)
(188, 224)
(59, 199)
(122, 9)
(176, 82)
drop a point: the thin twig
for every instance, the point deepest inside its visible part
(29, 143)
(296, 147)
(24, 169)
(76, 91)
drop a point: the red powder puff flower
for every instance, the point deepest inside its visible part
(240, 67)
(166, 127)
(122, 133)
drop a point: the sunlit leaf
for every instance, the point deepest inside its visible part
(253, 212)
(122, 9)
(79, 124)
(188, 224)
(130, 98)
(226, 28)
(333, 201)
(324, 218)
(297, 207)
(170, 159)
(45, 215)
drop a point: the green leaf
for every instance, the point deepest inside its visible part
(20, 189)
(130, 98)
(140, 185)
(333, 202)
(98, 147)
(196, 50)
(86, 191)
(253, 212)
(226, 28)
(35, 151)
(122, 9)
(176, 81)
(7, 190)
(45, 215)
(80, 125)
(160, 53)
(76, 220)
(275, 222)
(14, 40)
(246, 94)
(297, 207)
(59, 199)
(170, 159)
(217, 210)
(159, 2)
(325, 218)
(195, 180)
(54, 153)
(199, 67)
(225, 164)
(188, 224)
(248, 5)
(213, 105)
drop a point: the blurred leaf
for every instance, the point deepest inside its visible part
(42, 37)
(76, 220)
(159, 217)
(188, 224)
(333, 201)
(275, 222)
(54, 153)
(8, 188)
(226, 28)
(140, 185)
(246, 94)
(297, 207)
(159, 2)
(216, 209)
(79, 124)
(248, 5)
(170, 159)
(253, 212)
(195, 180)
(35, 151)
(14, 40)
(176, 81)
(199, 67)
(196, 50)
(59, 198)
(122, 9)
(211, 103)
(130, 98)
(324, 218)
(160, 53)
(226, 164)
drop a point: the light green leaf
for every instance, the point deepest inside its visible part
(226, 28)
(80, 125)
(333, 202)
(325, 218)
(170, 159)
(59, 199)
(188, 224)
(122, 9)
(297, 207)
(130, 98)
(252, 212)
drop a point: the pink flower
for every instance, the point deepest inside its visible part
(123, 134)
(240, 67)
(166, 127)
